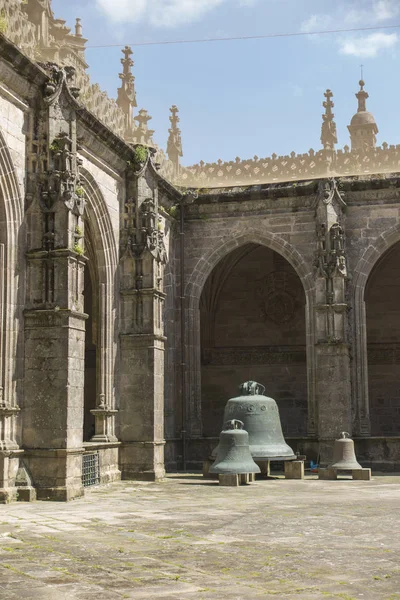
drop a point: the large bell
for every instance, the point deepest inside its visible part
(234, 456)
(260, 416)
(344, 456)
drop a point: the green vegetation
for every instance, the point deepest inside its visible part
(174, 211)
(3, 22)
(140, 155)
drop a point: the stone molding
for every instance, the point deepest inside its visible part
(256, 355)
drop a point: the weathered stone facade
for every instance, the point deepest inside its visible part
(130, 310)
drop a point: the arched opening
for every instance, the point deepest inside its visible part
(382, 295)
(91, 338)
(252, 323)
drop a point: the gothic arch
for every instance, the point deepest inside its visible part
(104, 250)
(193, 290)
(11, 295)
(370, 257)
(206, 264)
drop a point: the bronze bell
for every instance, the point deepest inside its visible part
(260, 416)
(234, 456)
(344, 456)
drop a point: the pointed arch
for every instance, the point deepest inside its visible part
(198, 277)
(11, 292)
(365, 265)
(103, 248)
(193, 289)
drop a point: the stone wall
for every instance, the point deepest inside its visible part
(216, 226)
(284, 219)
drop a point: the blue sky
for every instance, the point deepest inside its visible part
(251, 97)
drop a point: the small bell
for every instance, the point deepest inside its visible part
(344, 456)
(234, 457)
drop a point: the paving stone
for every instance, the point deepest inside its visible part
(183, 539)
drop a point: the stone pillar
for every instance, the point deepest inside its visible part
(362, 423)
(332, 372)
(104, 413)
(143, 256)
(52, 432)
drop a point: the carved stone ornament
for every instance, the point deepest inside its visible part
(278, 303)
(146, 234)
(58, 77)
(330, 259)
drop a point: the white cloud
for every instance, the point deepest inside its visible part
(386, 9)
(371, 13)
(368, 46)
(359, 13)
(316, 23)
(160, 13)
(368, 13)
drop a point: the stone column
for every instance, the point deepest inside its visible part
(143, 256)
(54, 319)
(104, 412)
(362, 423)
(332, 372)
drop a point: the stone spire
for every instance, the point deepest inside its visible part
(143, 135)
(174, 146)
(362, 128)
(328, 129)
(126, 93)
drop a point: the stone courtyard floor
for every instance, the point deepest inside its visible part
(187, 538)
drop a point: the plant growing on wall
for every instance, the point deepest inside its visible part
(3, 21)
(55, 146)
(140, 154)
(173, 211)
(78, 249)
(80, 191)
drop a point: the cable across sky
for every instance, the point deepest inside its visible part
(248, 37)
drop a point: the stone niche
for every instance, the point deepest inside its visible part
(252, 313)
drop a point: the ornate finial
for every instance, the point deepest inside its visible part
(362, 97)
(78, 28)
(362, 72)
(328, 130)
(174, 145)
(126, 93)
(143, 135)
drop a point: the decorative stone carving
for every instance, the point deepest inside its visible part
(330, 255)
(328, 130)
(143, 230)
(18, 28)
(278, 302)
(330, 264)
(174, 146)
(54, 194)
(126, 93)
(143, 135)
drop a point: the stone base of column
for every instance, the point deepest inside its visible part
(143, 461)
(9, 463)
(104, 425)
(56, 474)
